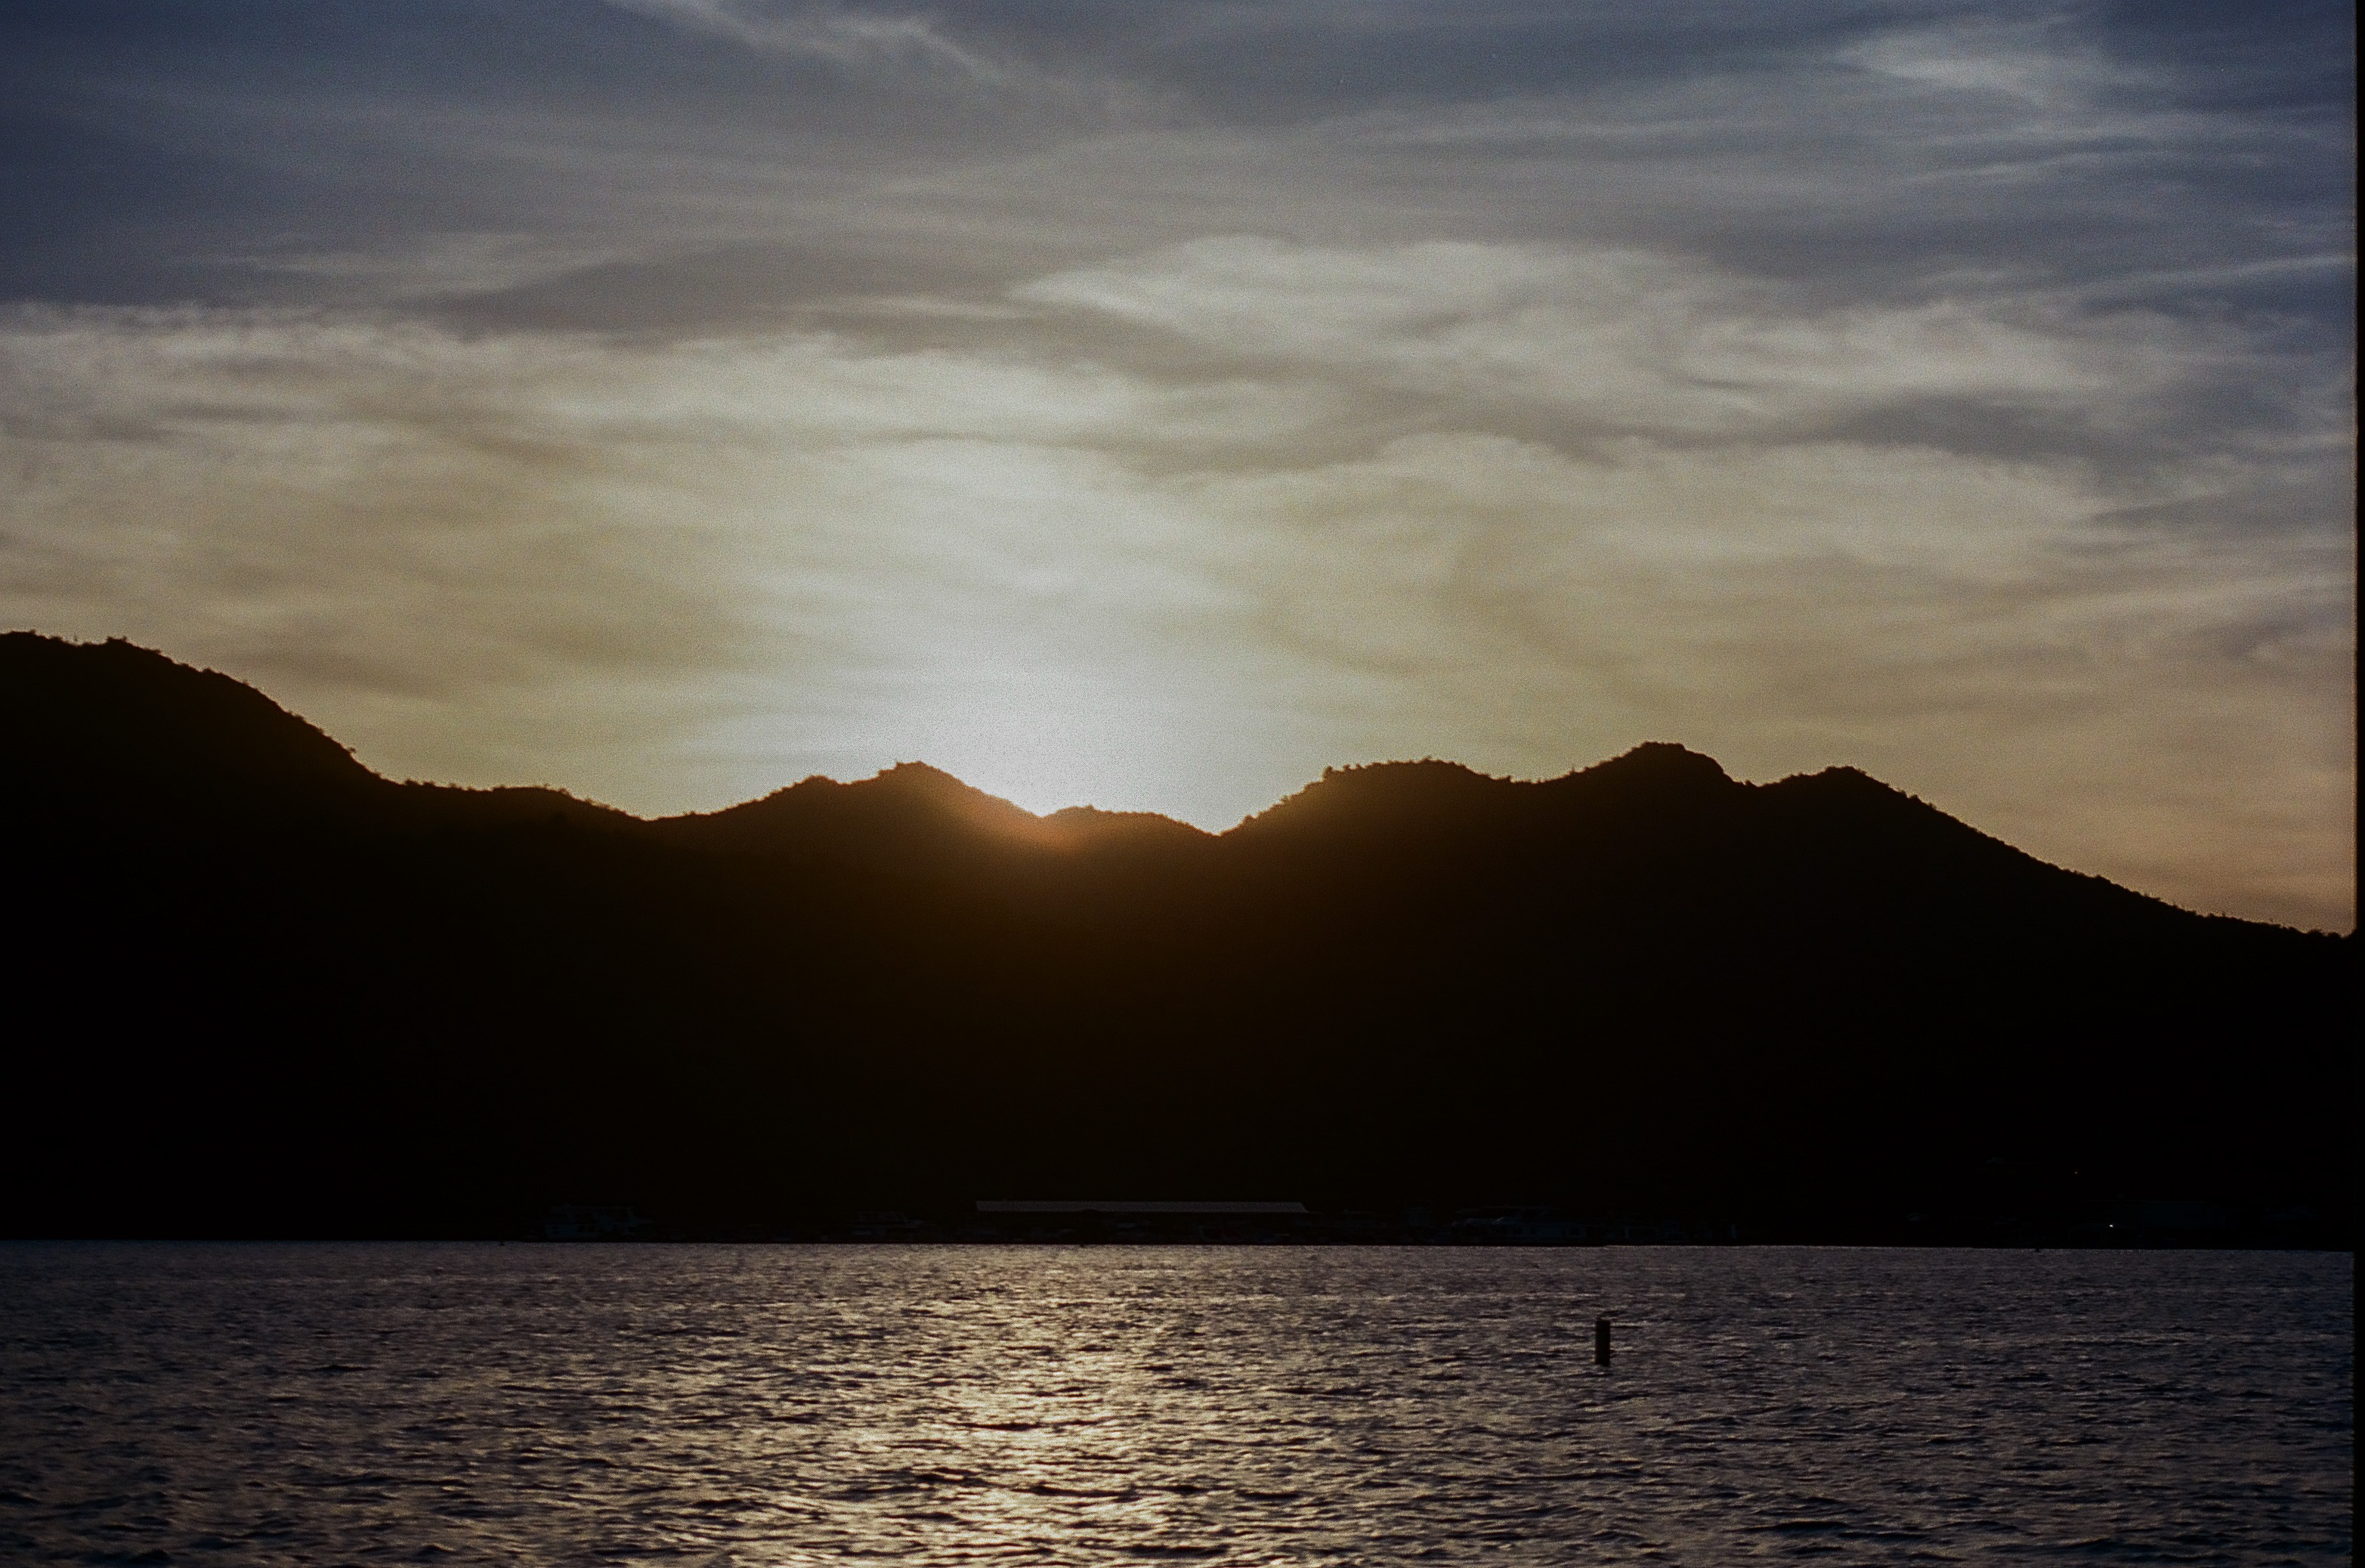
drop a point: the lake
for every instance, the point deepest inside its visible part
(399, 1402)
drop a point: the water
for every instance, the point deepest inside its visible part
(776, 1404)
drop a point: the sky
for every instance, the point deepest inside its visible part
(1151, 405)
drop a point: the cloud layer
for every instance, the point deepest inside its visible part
(672, 398)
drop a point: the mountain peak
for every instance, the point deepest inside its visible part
(1665, 760)
(1383, 786)
(939, 791)
(920, 775)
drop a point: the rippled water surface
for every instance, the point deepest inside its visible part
(761, 1404)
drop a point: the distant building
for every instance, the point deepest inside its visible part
(595, 1222)
(1537, 1226)
(885, 1225)
(1121, 1219)
(1130, 1206)
(1526, 1226)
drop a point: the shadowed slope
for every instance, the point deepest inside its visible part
(264, 991)
(109, 726)
(114, 715)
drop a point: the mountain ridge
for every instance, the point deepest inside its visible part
(261, 990)
(927, 810)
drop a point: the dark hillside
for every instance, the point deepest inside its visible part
(90, 728)
(120, 717)
(257, 989)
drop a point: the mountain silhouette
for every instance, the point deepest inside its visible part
(257, 989)
(918, 820)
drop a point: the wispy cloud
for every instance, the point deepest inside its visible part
(842, 36)
(2044, 66)
(1631, 340)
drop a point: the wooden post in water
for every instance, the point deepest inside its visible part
(1601, 1341)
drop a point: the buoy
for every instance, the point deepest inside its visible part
(1601, 1341)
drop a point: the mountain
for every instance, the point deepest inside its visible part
(916, 821)
(257, 989)
(90, 729)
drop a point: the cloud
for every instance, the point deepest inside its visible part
(1631, 340)
(840, 36)
(2042, 66)
(493, 557)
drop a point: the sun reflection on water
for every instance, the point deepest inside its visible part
(756, 1406)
